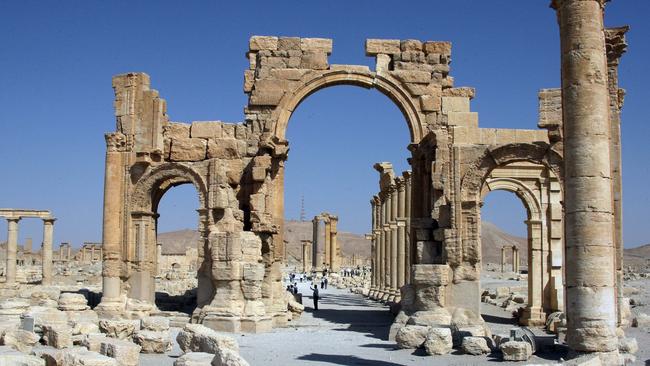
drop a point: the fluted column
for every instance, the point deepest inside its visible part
(46, 253)
(12, 247)
(590, 283)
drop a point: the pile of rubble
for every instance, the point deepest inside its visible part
(512, 299)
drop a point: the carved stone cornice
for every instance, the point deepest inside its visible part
(555, 4)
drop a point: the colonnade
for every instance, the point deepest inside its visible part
(13, 217)
(515, 258)
(331, 251)
(65, 252)
(90, 252)
(390, 235)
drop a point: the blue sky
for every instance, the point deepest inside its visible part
(57, 60)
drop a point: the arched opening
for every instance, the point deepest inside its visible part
(504, 256)
(177, 241)
(335, 138)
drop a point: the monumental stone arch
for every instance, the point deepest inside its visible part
(238, 170)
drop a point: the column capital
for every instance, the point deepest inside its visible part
(49, 221)
(556, 4)
(117, 142)
(13, 219)
(615, 44)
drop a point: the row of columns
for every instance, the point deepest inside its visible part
(515, 258)
(12, 248)
(390, 240)
(331, 250)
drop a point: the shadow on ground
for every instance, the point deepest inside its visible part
(344, 360)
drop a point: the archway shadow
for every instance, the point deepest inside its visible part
(344, 360)
(373, 320)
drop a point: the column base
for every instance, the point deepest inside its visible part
(236, 324)
(383, 295)
(533, 316)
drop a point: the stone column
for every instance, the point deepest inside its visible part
(61, 252)
(46, 253)
(159, 260)
(305, 255)
(373, 247)
(393, 245)
(112, 218)
(401, 234)
(382, 247)
(334, 249)
(590, 284)
(68, 253)
(534, 314)
(92, 253)
(12, 247)
(407, 240)
(503, 259)
(314, 245)
(328, 247)
(515, 259)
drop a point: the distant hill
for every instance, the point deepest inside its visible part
(493, 238)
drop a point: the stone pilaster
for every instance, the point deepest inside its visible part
(590, 252)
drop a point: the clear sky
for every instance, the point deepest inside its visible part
(57, 59)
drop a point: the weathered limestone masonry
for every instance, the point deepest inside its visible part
(390, 238)
(331, 251)
(592, 179)
(306, 257)
(13, 216)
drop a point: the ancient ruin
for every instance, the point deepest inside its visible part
(330, 255)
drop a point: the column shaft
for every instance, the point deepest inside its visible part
(112, 225)
(46, 253)
(590, 284)
(12, 247)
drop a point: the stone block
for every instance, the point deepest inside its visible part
(227, 270)
(69, 301)
(57, 336)
(455, 104)
(120, 329)
(386, 46)
(266, 97)
(314, 61)
(16, 358)
(253, 271)
(516, 351)
(288, 43)
(206, 129)
(226, 148)
(228, 357)
(48, 316)
(83, 357)
(256, 325)
(188, 149)
(463, 119)
(412, 76)
(93, 341)
(475, 346)
(257, 43)
(126, 353)
(437, 47)
(198, 338)
(438, 341)
(20, 340)
(323, 45)
(439, 317)
(411, 45)
(177, 130)
(288, 74)
(155, 323)
(195, 359)
(430, 103)
(52, 357)
(249, 80)
(411, 336)
(153, 341)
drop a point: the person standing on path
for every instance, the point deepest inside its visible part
(315, 295)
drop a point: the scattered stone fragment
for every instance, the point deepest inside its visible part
(475, 346)
(411, 336)
(438, 341)
(69, 301)
(125, 352)
(153, 341)
(199, 338)
(20, 340)
(120, 329)
(228, 357)
(83, 357)
(195, 359)
(57, 336)
(155, 323)
(516, 351)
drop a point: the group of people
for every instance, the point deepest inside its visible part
(294, 278)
